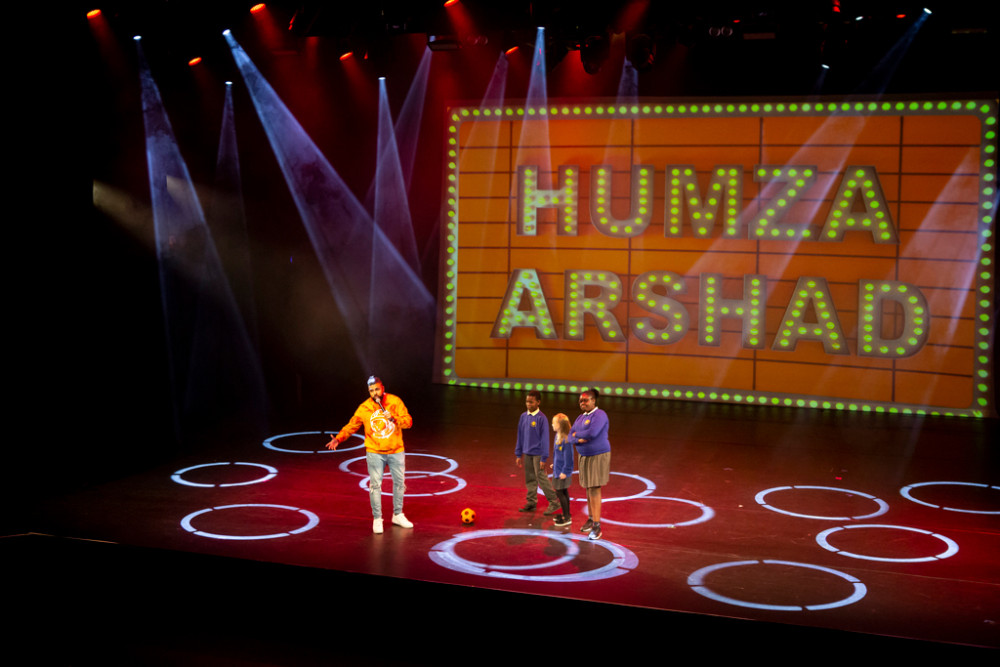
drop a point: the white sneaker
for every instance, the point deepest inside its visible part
(401, 521)
(377, 526)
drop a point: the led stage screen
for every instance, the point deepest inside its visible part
(830, 254)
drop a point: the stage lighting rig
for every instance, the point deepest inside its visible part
(443, 42)
(594, 52)
(641, 51)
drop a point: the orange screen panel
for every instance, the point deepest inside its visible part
(814, 254)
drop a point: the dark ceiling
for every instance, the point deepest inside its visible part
(951, 51)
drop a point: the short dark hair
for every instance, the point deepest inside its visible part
(593, 393)
(537, 395)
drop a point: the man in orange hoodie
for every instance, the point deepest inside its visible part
(383, 417)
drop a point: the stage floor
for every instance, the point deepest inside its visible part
(882, 525)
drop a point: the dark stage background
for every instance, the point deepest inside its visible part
(92, 300)
(92, 377)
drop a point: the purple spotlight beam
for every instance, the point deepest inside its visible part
(628, 84)
(407, 127)
(369, 278)
(227, 216)
(497, 87)
(213, 369)
(536, 133)
(408, 123)
(392, 209)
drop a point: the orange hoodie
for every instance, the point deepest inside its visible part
(381, 435)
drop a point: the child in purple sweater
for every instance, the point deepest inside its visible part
(562, 466)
